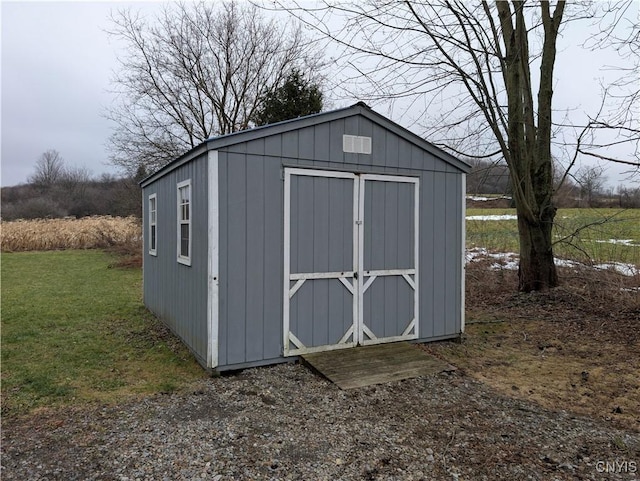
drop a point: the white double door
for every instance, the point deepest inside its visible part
(350, 259)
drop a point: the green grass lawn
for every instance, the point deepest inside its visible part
(75, 330)
(592, 243)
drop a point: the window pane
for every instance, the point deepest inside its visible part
(184, 240)
(184, 220)
(184, 194)
(153, 238)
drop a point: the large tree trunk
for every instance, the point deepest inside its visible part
(529, 145)
(537, 271)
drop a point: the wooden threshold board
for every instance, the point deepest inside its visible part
(367, 365)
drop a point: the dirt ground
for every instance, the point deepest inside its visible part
(575, 348)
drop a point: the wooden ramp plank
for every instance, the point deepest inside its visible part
(364, 366)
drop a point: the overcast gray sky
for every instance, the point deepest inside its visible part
(56, 64)
(57, 61)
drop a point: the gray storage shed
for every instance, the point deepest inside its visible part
(324, 232)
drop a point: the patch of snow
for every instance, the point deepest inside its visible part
(481, 199)
(471, 254)
(566, 263)
(630, 289)
(510, 261)
(484, 199)
(629, 270)
(474, 253)
(508, 265)
(506, 260)
(623, 242)
(492, 217)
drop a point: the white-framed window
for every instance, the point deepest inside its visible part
(184, 222)
(153, 225)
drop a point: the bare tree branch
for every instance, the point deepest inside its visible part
(472, 65)
(197, 70)
(49, 169)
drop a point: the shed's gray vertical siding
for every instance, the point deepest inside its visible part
(177, 293)
(251, 239)
(440, 254)
(251, 230)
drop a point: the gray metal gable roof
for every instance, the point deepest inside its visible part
(360, 108)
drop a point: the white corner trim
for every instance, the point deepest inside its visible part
(213, 283)
(464, 241)
(416, 247)
(144, 235)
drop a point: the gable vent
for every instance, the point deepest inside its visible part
(356, 144)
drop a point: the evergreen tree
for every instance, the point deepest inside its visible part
(296, 97)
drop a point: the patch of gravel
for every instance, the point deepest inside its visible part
(287, 423)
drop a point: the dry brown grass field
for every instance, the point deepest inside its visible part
(70, 233)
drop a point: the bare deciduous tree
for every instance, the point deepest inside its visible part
(590, 180)
(197, 70)
(617, 27)
(471, 65)
(49, 169)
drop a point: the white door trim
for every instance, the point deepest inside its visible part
(300, 278)
(286, 288)
(411, 331)
(356, 284)
(359, 324)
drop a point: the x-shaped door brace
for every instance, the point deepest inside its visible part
(372, 276)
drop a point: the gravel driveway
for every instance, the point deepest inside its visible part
(285, 422)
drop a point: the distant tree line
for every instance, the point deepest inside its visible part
(585, 188)
(57, 190)
(488, 178)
